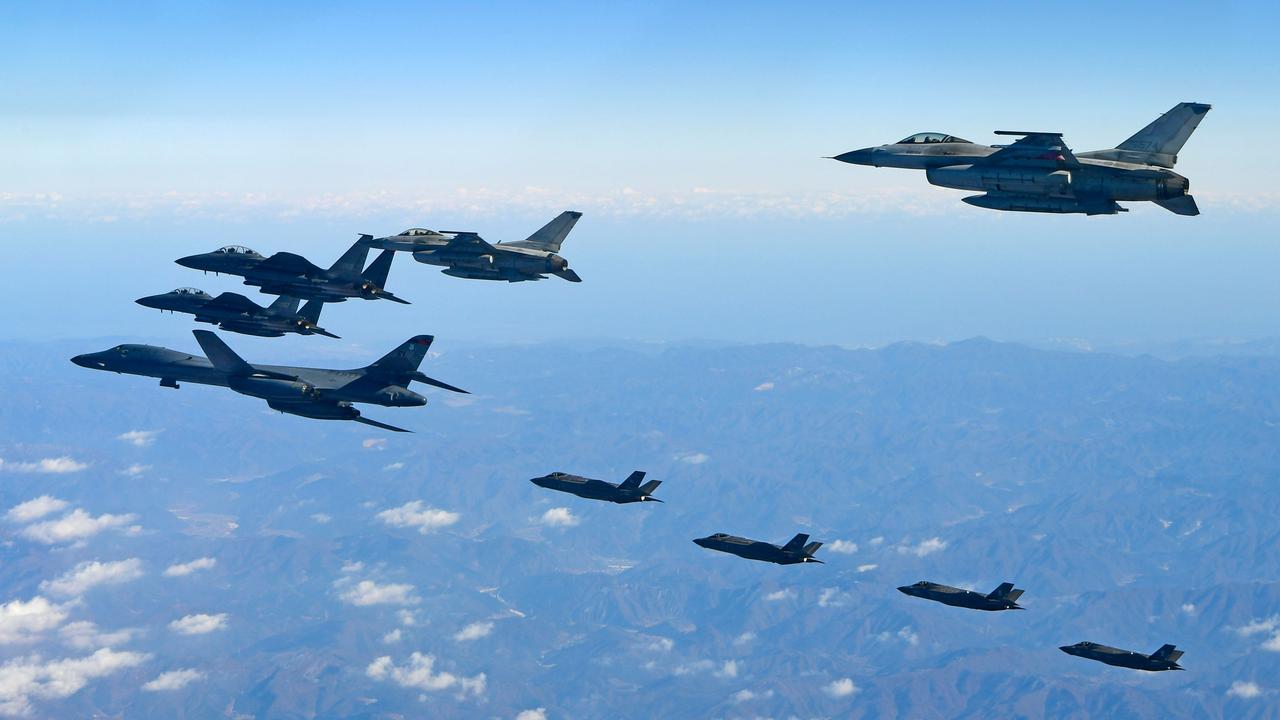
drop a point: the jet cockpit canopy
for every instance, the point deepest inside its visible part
(237, 250)
(931, 138)
(196, 292)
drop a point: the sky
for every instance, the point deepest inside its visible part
(692, 137)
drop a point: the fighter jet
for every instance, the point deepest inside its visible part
(288, 274)
(794, 552)
(237, 313)
(467, 255)
(628, 491)
(1003, 597)
(1039, 173)
(309, 392)
(1166, 658)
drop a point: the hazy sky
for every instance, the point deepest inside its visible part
(691, 138)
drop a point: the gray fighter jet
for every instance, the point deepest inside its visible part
(467, 255)
(288, 274)
(309, 392)
(1003, 597)
(794, 552)
(628, 491)
(1166, 658)
(237, 313)
(1039, 173)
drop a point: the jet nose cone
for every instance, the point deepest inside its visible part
(151, 301)
(700, 542)
(539, 481)
(905, 589)
(857, 157)
(195, 262)
(1068, 649)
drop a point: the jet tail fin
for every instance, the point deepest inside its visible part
(1167, 652)
(1004, 590)
(811, 548)
(283, 306)
(633, 481)
(1180, 205)
(353, 259)
(796, 544)
(1163, 139)
(378, 270)
(649, 487)
(311, 311)
(221, 355)
(551, 235)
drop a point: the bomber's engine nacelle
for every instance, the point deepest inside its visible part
(272, 388)
(997, 179)
(320, 411)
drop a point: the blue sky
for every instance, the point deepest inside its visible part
(691, 137)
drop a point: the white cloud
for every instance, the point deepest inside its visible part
(419, 673)
(84, 635)
(199, 624)
(368, 592)
(407, 618)
(139, 438)
(1188, 608)
(474, 631)
(413, 514)
(23, 680)
(658, 644)
(1273, 644)
(909, 636)
(321, 518)
(1258, 627)
(832, 597)
(559, 517)
(924, 547)
(764, 387)
(393, 466)
(777, 595)
(50, 466)
(843, 547)
(696, 458)
(728, 670)
(374, 444)
(26, 621)
(86, 575)
(534, 714)
(841, 688)
(135, 470)
(35, 508)
(392, 637)
(867, 568)
(173, 680)
(744, 639)
(1244, 690)
(745, 695)
(352, 567)
(184, 569)
(75, 525)
(876, 540)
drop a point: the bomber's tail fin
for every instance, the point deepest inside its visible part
(633, 481)
(283, 306)
(553, 233)
(406, 358)
(796, 544)
(353, 259)
(648, 488)
(1162, 140)
(1167, 652)
(311, 311)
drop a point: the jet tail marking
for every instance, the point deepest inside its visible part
(632, 482)
(406, 358)
(1164, 137)
(550, 236)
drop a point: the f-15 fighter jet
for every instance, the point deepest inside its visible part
(237, 313)
(794, 552)
(1039, 173)
(310, 392)
(628, 491)
(1003, 597)
(288, 274)
(467, 255)
(1166, 658)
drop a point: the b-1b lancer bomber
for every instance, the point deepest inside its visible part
(794, 552)
(309, 392)
(467, 255)
(628, 491)
(285, 273)
(1004, 597)
(1166, 658)
(1039, 173)
(237, 313)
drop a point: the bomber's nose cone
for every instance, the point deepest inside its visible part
(83, 361)
(856, 157)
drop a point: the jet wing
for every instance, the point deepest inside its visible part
(468, 244)
(1035, 149)
(287, 264)
(230, 302)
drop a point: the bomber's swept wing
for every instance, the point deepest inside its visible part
(287, 264)
(222, 357)
(1038, 149)
(233, 302)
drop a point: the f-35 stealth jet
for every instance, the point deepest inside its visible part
(1003, 597)
(1166, 658)
(794, 552)
(310, 392)
(288, 274)
(1039, 173)
(467, 255)
(628, 491)
(237, 313)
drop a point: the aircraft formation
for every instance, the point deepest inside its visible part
(1035, 173)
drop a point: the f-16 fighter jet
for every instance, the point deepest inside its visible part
(467, 255)
(237, 313)
(1166, 658)
(628, 491)
(288, 274)
(1039, 173)
(309, 392)
(1002, 598)
(794, 552)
